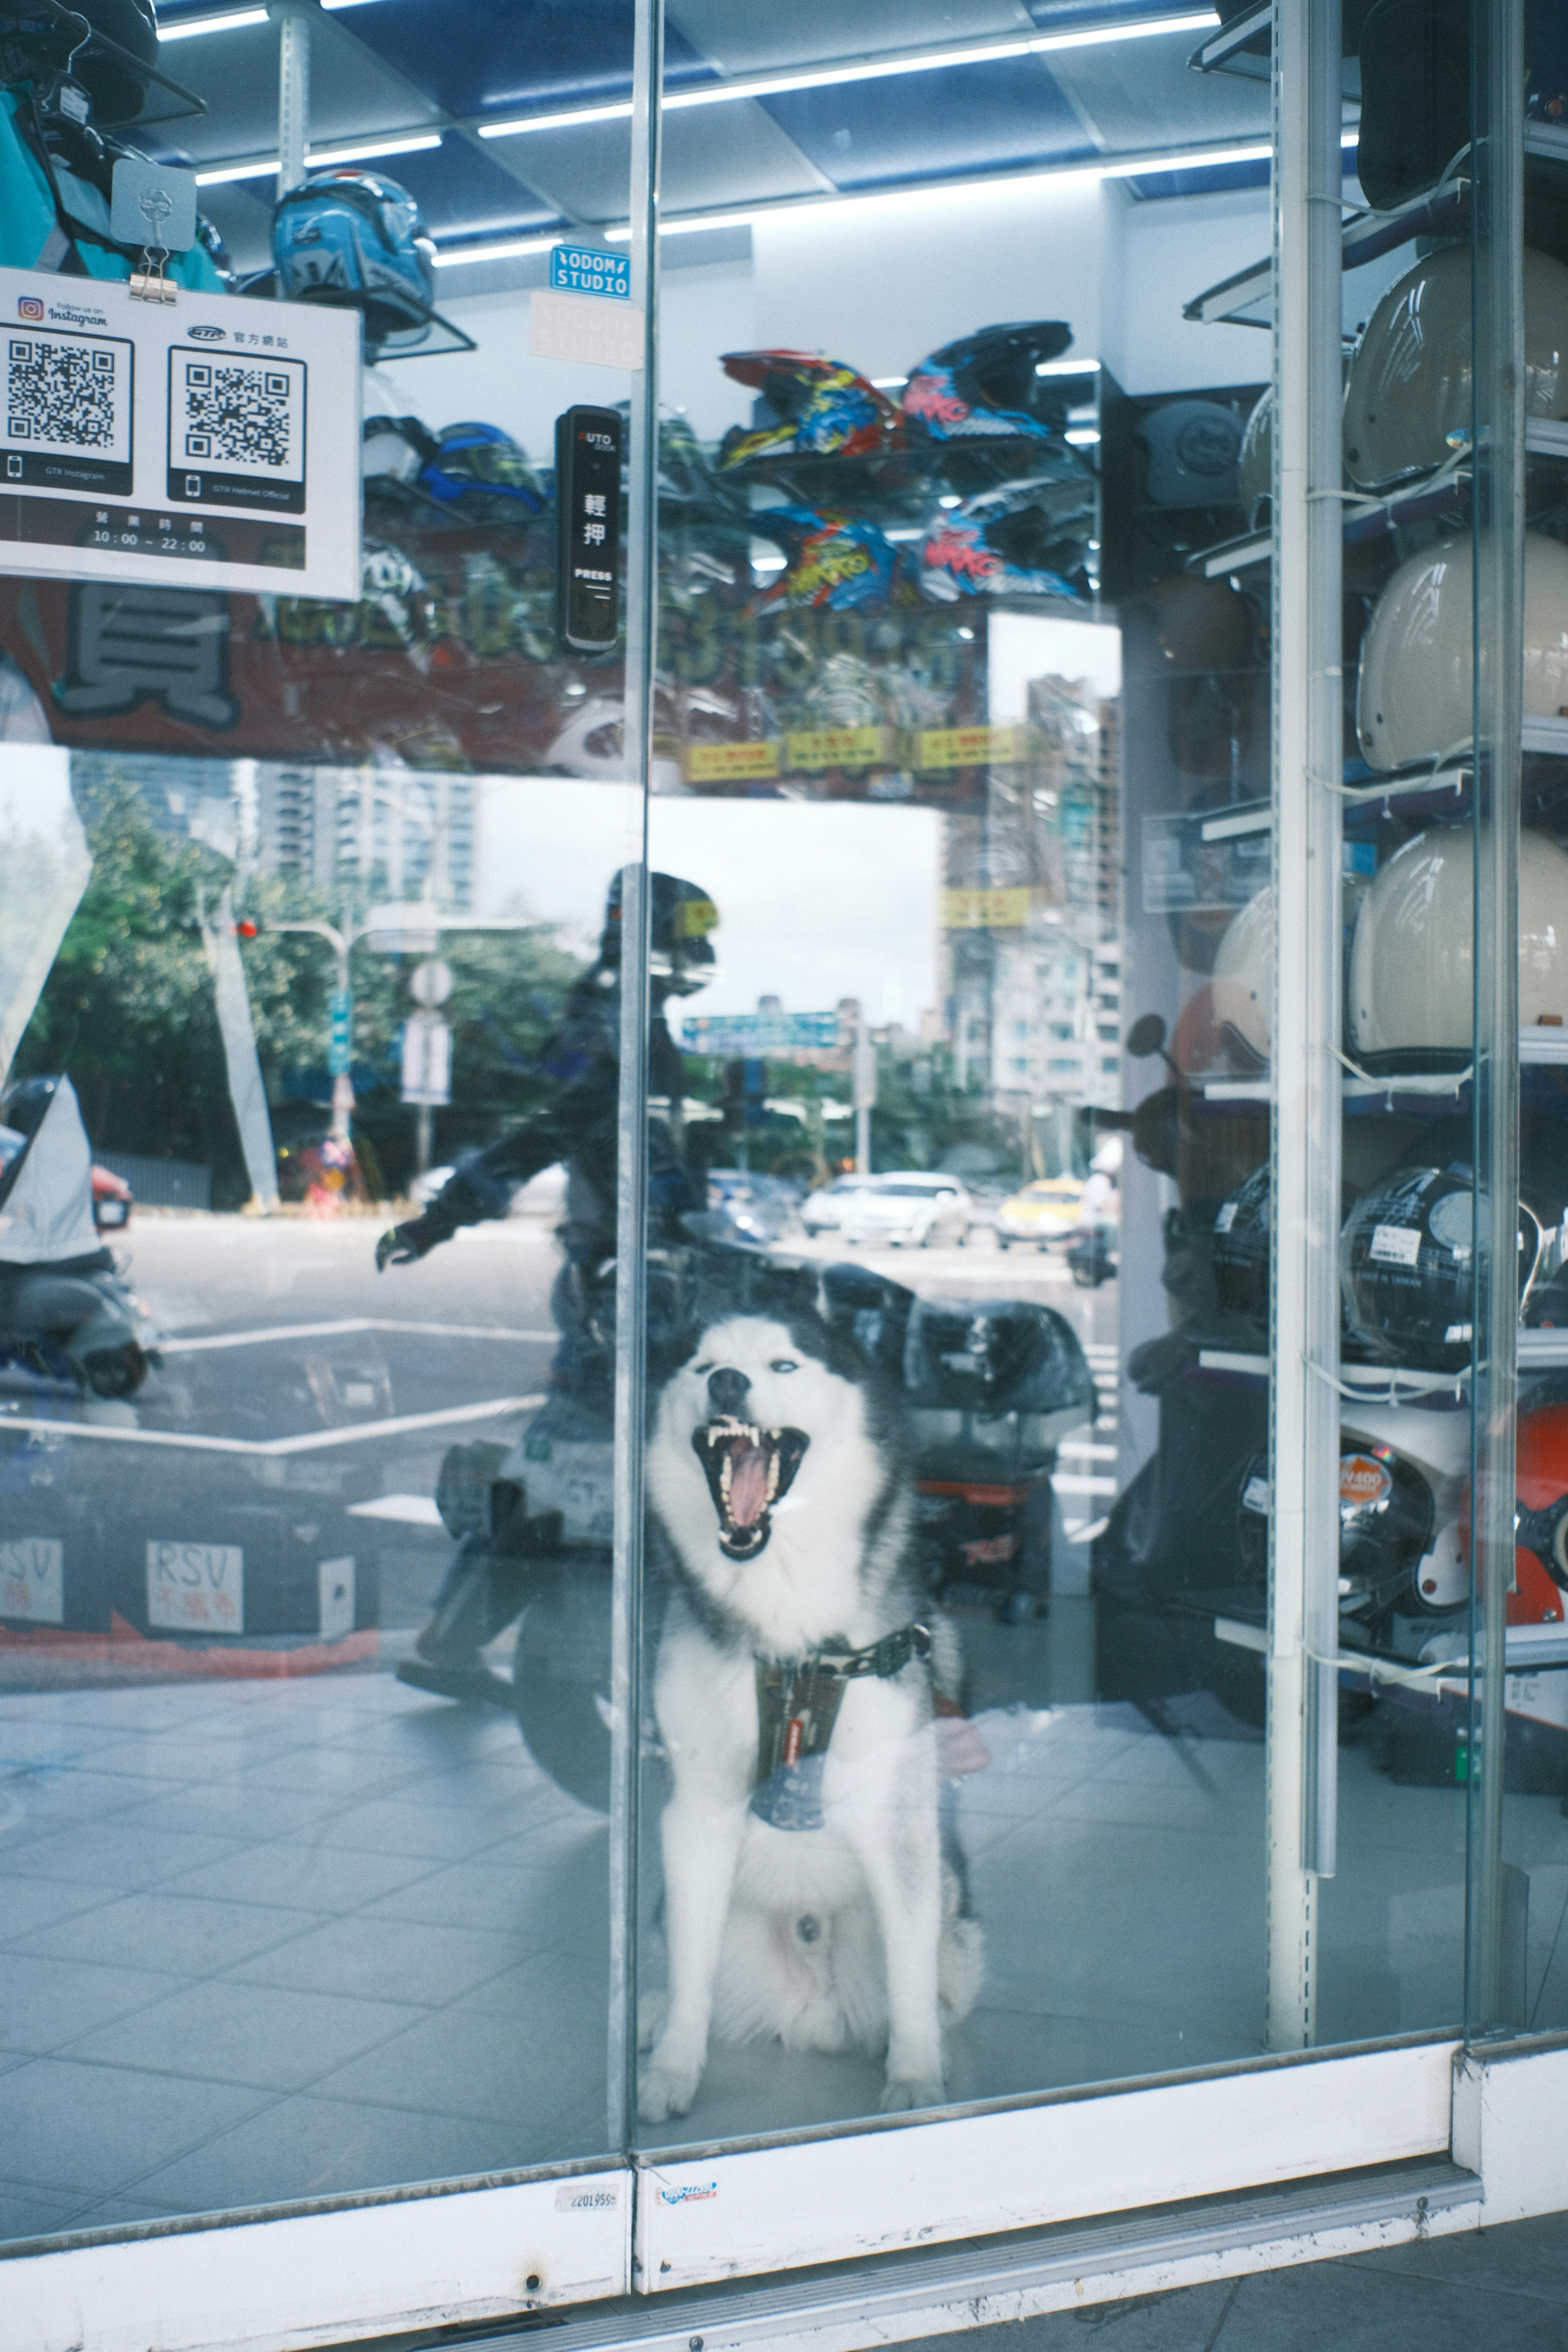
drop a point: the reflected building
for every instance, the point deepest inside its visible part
(382, 834)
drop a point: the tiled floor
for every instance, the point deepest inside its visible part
(266, 1941)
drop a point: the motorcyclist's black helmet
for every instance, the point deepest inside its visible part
(682, 917)
(23, 1105)
(36, 42)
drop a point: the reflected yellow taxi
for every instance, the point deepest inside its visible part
(1045, 1212)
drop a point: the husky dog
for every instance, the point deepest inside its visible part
(808, 1895)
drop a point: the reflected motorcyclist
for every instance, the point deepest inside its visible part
(579, 1129)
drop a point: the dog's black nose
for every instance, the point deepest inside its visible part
(728, 1392)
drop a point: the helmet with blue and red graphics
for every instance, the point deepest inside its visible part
(821, 408)
(1005, 542)
(350, 238)
(988, 384)
(831, 560)
(480, 469)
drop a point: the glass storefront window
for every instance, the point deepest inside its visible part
(756, 1365)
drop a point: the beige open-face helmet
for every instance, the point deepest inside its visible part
(1243, 986)
(1411, 978)
(1414, 693)
(1255, 465)
(1407, 404)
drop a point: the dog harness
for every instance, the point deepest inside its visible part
(798, 1701)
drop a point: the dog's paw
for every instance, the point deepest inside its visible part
(652, 2008)
(905, 2091)
(665, 2091)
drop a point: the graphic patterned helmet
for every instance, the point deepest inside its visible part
(480, 469)
(824, 408)
(1004, 543)
(1414, 690)
(831, 560)
(985, 384)
(1410, 997)
(1408, 401)
(1387, 1519)
(1539, 1517)
(351, 238)
(1255, 464)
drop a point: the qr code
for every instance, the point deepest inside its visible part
(61, 394)
(239, 415)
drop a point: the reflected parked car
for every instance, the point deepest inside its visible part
(1049, 1209)
(908, 1210)
(822, 1211)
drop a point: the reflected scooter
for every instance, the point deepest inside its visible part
(991, 1388)
(67, 1316)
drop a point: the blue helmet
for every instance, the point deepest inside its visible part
(352, 239)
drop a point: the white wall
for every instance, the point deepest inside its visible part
(1156, 258)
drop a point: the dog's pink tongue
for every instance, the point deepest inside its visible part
(748, 1483)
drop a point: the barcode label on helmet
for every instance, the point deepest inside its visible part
(67, 397)
(1395, 1244)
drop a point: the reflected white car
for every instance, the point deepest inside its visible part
(823, 1211)
(908, 1210)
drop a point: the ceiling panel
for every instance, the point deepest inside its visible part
(915, 126)
(1144, 94)
(351, 93)
(461, 191)
(738, 39)
(476, 54)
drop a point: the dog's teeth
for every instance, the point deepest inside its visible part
(772, 1476)
(724, 1473)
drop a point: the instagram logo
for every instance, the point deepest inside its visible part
(28, 306)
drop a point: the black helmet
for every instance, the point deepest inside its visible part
(23, 1105)
(1241, 1242)
(1406, 1261)
(681, 957)
(1387, 1515)
(36, 41)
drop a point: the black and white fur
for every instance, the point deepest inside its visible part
(855, 1935)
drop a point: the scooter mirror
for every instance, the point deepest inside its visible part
(1146, 1036)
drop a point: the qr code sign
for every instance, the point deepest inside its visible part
(239, 416)
(68, 396)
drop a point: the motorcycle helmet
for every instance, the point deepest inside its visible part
(822, 408)
(1408, 401)
(1241, 1244)
(1415, 96)
(1387, 1517)
(1185, 623)
(1541, 1513)
(993, 1356)
(1004, 542)
(1191, 447)
(1413, 694)
(351, 238)
(34, 44)
(1407, 1266)
(985, 384)
(393, 450)
(681, 917)
(479, 468)
(1409, 1000)
(1244, 975)
(831, 560)
(395, 598)
(1255, 465)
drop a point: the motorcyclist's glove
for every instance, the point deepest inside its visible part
(460, 1202)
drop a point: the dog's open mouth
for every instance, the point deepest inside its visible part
(748, 1470)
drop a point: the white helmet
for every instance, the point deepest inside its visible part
(1255, 465)
(1243, 986)
(1407, 404)
(1414, 693)
(1411, 979)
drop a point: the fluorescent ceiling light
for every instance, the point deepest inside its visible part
(262, 167)
(1067, 367)
(188, 27)
(830, 76)
(504, 249)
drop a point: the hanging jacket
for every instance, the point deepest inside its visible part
(53, 219)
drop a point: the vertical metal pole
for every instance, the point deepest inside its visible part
(1498, 442)
(631, 1170)
(1301, 1758)
(293, 88)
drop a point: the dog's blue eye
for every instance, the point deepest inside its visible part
(784, 1364)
